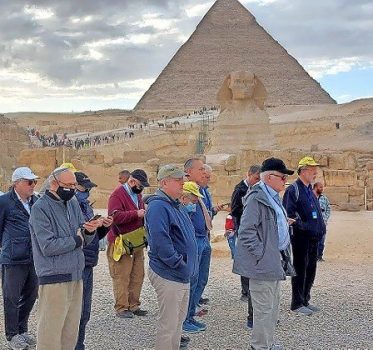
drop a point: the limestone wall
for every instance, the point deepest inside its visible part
(12, 140)
(345, 174)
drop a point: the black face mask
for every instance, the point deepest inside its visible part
(65, 193)
(137, 189)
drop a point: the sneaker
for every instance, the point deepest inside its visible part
(303, 310)
(125, 314)
(250, 323)
(276, 347)
(189, 327)
(204, 301)
(140, 312)
(30, 340)
(321, 259)
(184, 341)
(200, 325)
(244, 298)
(313, 308)
(18, 343)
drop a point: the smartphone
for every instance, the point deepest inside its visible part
(97, 216)
(226, 205)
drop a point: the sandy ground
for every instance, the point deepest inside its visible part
(342, 289)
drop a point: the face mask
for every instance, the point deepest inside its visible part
(82, 195)
(65, 193)
(191, 208)
(137, 189)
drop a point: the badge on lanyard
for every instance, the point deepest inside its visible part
(314, 214)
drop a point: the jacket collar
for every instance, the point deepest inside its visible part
(260, 196)
(18, 203)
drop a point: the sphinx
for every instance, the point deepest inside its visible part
(243, 121)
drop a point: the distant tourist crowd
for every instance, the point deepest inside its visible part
(50, 245)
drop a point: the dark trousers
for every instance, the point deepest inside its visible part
(321, 246)
(305, 262)
(245, 282)
(20, 290)
(86, 307)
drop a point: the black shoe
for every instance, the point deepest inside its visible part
(125, 314)
(204, 301)
(184, 341)
(140, 312)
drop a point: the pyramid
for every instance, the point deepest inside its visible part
(229, 39)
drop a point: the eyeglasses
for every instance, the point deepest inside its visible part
(282, 177)
(30, 182)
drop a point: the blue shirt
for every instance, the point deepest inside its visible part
(282, 222)
(133, 196)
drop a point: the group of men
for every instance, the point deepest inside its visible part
(50, 246)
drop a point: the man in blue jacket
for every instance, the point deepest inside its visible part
(20, 285)
(302, 205)
(172, 255)
(83, 188)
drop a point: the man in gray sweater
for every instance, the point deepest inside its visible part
(58, 234)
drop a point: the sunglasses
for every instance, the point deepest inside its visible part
(282, 177)
(30, 182)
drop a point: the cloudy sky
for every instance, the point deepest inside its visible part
(95, 54)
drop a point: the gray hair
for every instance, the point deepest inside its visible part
(255, 169)
(207, 168)
(56, 173)
(189, 163)
(264, 175)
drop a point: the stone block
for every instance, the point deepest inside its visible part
(349, 207)
(369, 166)
(117, 160)
(358, 200)
(342, 161)
(340, 178)
(231, 163)
(355, 191)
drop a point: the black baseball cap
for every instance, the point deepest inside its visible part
(140, 175)
(83, 180)
(276, 164)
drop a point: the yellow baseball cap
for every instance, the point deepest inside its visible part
(69, 166)
(307, 161)
(192, 187)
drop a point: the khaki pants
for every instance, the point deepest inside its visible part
(127, 275)
(265, 297)
(173, 299)
(60, 307)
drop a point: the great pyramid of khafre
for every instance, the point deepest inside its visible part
(228, 39)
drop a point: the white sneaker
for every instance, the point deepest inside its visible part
(29, 339)
(18, 343)
(303, 310)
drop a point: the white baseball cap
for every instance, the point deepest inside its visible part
(23, 173)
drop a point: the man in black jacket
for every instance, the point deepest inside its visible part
(19, 281)
(302, 205)
(91, 251)
(241, 189)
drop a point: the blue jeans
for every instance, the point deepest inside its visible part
(232, 244)
(86, 307)
(199, 281)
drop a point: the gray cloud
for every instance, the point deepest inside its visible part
(108, 42)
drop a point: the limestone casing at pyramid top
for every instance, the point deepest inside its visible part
(227, 39)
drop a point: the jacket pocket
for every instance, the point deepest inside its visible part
(20, 249)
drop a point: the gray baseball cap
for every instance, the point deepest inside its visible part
(170, 170)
